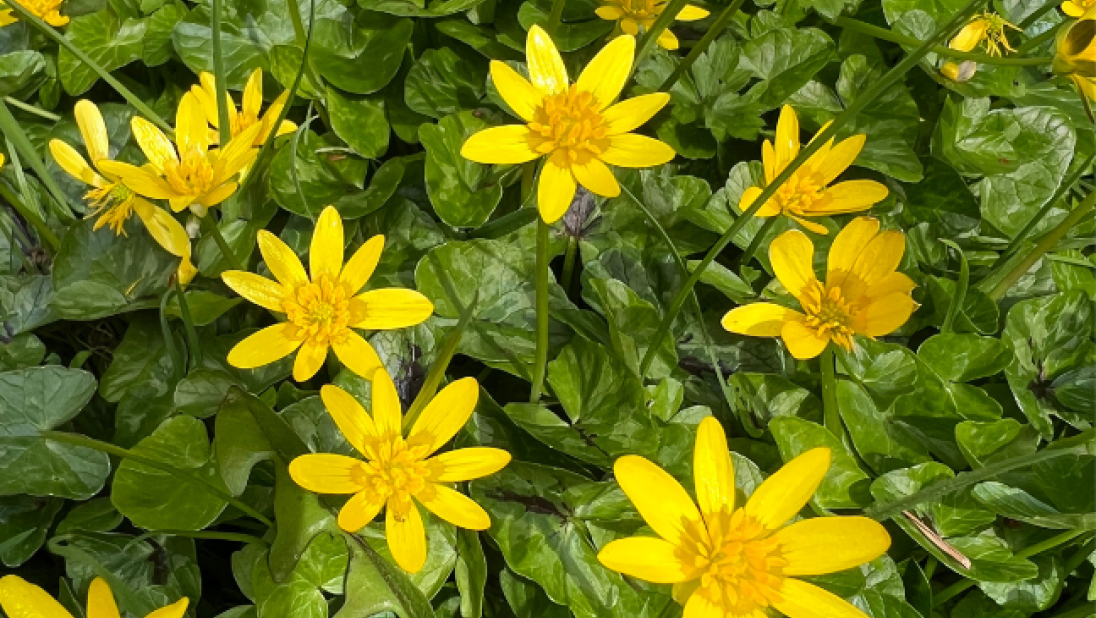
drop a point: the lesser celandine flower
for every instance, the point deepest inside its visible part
(323, 310)
(399, 472)
(631, 14)
(250, 112)
(48, 11)
(806, 193)
(187, 173)
(113, 201)
(863, 294)
(730, 561)
(987, 28)
(1076, 52)
(21, 599)
(1077, 8)
(575, 126)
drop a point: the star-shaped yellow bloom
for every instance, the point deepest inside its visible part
(988, 28)
(1076, 51)
(48, 11)
(727, 561)
(863, 294)
(399, 473)
(631, 14)
(575, 126)
(250, 113)
(322, 311)
(22, 599)
(113, 201)
(806, 193)
(187, 173)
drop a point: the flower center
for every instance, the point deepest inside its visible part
(995, 37)
(40, 8)
(743, 563)
(829, 314)
(242, 121)
(641, 9)
(319, 309)
(113, 203)
(569, 123)
(192, 175)
(398, 473)
(799, 195)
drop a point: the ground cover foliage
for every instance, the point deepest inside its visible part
(571, 318)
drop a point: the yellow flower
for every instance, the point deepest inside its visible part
(734, 562)
(1076, 52)
(631, 14)
(575, 126)
(48, 11)
(806, 194)
(21, 599)
(195, 176)
(988, 28)
(1077, 8)
(959, 73)
(249, 115)
(864, 294)
(400, 472)
(113, 201)
(322, 311)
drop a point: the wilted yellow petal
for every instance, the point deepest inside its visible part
(829, 544)
(647, 558)
(786, 492)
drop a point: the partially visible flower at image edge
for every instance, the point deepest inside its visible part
(1077, 8)
(250, 112)
(1075, 54)
(988, 28)
(806, 193)
(22, 599)
(863, 293)
(399, 472)
(730, 561)
(323, 309)
(631, 14)
(575, 126)
(48, 11)
(113, 202)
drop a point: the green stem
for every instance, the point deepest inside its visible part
(901, 39)
(540, 365)
(1044, 245)
(960, 290)
(224, 126)
(554, 17)
(665, 18)
(192, 341)
(207, 534)
(13, 131)
(870, 94)
(117, 451)
(1036, 41)
(1031, 19)
(178, 362)
(831, 411)
(714, 31)
(27, 107)
(437, 370)
(569, 264)
(758, 238)
(31, 216)
(209, 225)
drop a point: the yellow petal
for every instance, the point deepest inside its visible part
(713, 472)
(253, 94)
(271, 116)
(387, 410)
(885, 315)
(163, 228)
(609, 13)
(607, 73)
(191, 126)
(259, 290)
(802, 341)
(803, 600)
(660, 499)
(175, 610)
(847, 247)
(142, 180)
(555, 191)
(218, 195)
(264, 347)
(454, 507)
(792, 257)
(668, 40)
(1071, 8)
(93, 129)
(970, 36)
(768, 161)
(840, 157)
(505, 145)
(359, 268)
(650, 559)
(893, 283)
(70, 160)
(390, 308)
(817, 228)
(707, 602)
(787, 137)
(850, 196)
(692, 13)
(597, 178)
(180, 203)
(325, 254)
(786, 492)
(238, 154)
(280, 259)
(206, 95)
(518, 93)
(22, 599)
(101, 600)
(769, 209)
(352, 419)
(759, 319)
(356, 354)
(880, 257)
(629, 26)
(406, 538)
(327, 473)
(359, 510)
(309, 359)
(471, 463)
(444, 416)
(631, 114)
(829, 544)
(631, 150)
(546, 70)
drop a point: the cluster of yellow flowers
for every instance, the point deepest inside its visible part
(48, 11)
(21, 599)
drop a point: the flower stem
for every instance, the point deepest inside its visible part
(831, 411)
(31, 216)
(117, 451)
(554, 17)
(569, 264)
(880, 86)
(220, 85)
(960, 290)
(665, 18)
(208, 534)
(193, 343)
(714, 31)
(540, 365)
(209, 225)
(1045, 244)
(437, 370)
(894, 37)
(758, 238)
(27, 107)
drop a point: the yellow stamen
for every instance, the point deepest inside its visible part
(742, 561)
(113, 204)
(398, 473)
(193, 175)
(829, 314)
(569, 123)
(320, 309)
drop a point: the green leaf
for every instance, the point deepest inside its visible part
(307, 183)
(24, 523)
(95, 515)
(784, 60)
(374, 585)
(108, 39)
(462, 191)
(633, 323)
(374, 40)
(882, 443)
(964, 357)
(301, 518)
(240, 444)
(471, 573)
(845, 485)
(359, 121)
(20, 69)
(442, 83)
(1019, 505)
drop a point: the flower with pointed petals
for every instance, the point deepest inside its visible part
(22, 599)
(187, 173)
(863, 294)
(399, 473)
(806, 193)
(988, 28)
(1076, 52)
(575, 127)
(250, 112)
(322, 311)
(631, 14)
(48, 11)
(729, 561)
(113, 201)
